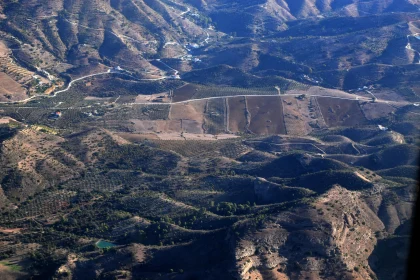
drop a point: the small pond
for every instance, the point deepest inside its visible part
(101, 244)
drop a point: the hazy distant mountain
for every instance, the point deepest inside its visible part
(258, 16)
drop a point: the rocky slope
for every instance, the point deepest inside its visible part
(330, 238)
(320, 218)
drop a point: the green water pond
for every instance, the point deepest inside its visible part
(101, 244)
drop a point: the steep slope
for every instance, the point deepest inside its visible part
(85, 32)
(33, 161)
(310, 241)
(269, 15)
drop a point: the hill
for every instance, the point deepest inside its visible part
(273, 14)
(208, 139)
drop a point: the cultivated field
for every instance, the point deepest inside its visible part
(157, 126)
(157, 97)
(191, 114)
(338, 112)
(10, 90)
(205, 92)
(19, 74)
(266, 115)
(395, 95)
(316, 90)
(192, 91)
(376, 110)
(191, 126)
(152, 112)
(184, 93)
(215, 116)
(237, 121)
(317, 113)
(298, 116)
(193, 136)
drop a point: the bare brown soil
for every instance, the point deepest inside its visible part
(191, 114)
(192, 126)
(339, 112)
(3, 49)
(94, 98)
(163, 97)
(10, 230)
(4, 120)
(362, 177)
(376, 110)
(192, 111)
(387, 94)
(193, 136)
(297, 115)
(184, 93)
(237, 119)
(315, 90)
(146, 126)
(266, 115)
(10, 90)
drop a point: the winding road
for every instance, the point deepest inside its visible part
(357, 98)
(183, 13)
(408, 46)
(110, 71)
(176, 73)
(57, 92)
(79, 79)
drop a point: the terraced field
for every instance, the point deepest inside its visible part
(17, 72)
